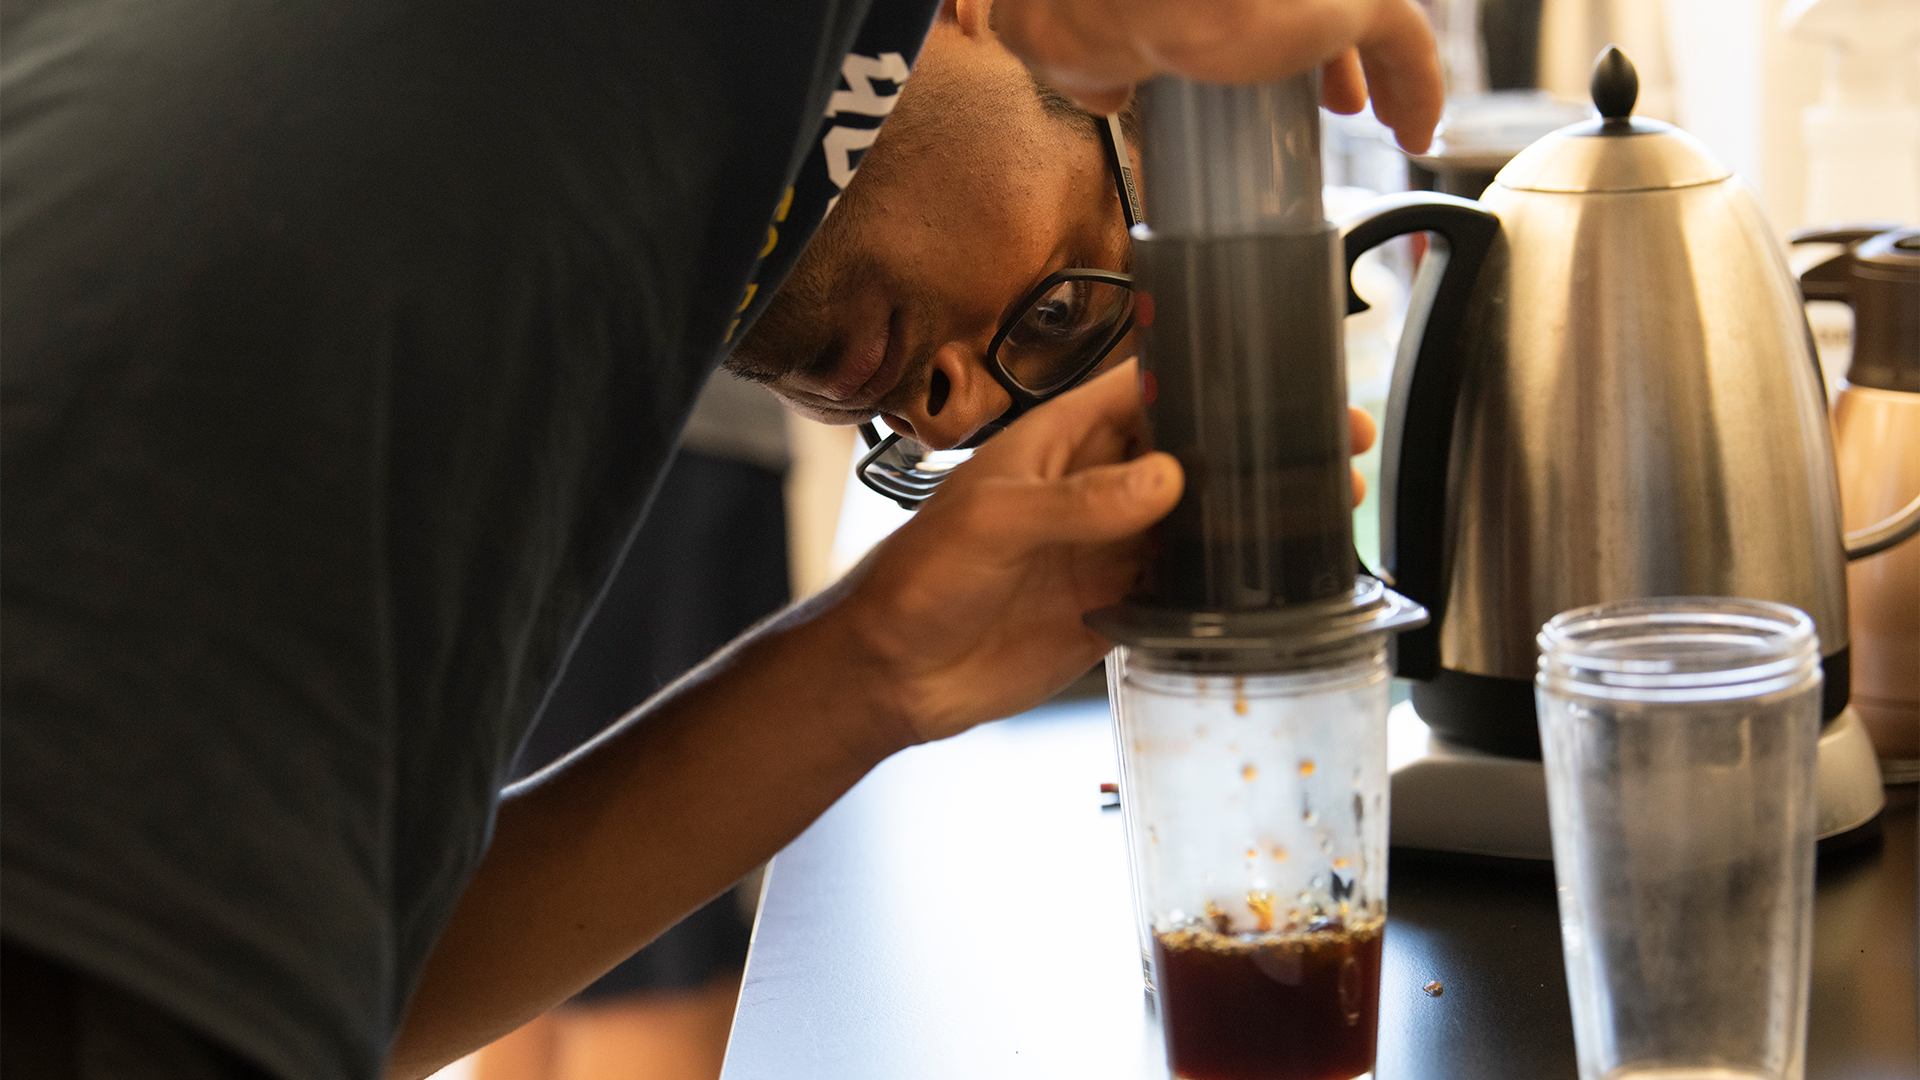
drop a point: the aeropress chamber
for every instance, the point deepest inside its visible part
(1249, 678)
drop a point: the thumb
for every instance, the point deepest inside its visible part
(1091, 505)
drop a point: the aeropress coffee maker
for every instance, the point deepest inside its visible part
(1249, 678)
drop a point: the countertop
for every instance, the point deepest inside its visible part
(963, 912)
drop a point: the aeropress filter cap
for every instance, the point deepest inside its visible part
(1244, 379)
(1320, 633)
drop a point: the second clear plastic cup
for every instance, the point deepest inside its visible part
(1258, 811)
(1679, 737)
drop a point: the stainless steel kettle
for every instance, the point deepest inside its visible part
(1607, 390)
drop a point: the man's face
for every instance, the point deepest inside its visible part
(973, 193)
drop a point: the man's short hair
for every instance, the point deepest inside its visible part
(1065, 109)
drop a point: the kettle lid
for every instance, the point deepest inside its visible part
(1886, 336)
(1619, 151)
(1878, 273)
(1893, 255)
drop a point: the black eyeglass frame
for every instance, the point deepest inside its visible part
(907, 483)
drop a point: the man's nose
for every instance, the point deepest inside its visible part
(960, 397)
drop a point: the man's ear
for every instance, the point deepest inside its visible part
(973, 17)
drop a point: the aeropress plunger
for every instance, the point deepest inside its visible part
(1249, 681)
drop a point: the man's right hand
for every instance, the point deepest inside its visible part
(1095, 50)
(972, 610)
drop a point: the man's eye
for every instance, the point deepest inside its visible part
(1057, 314)
(1063, 334)
(1052, 314)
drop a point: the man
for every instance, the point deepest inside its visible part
(344, 347)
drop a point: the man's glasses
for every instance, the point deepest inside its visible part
(1058, 334)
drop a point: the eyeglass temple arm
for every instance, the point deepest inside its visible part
(1115, 141)
(902, 489)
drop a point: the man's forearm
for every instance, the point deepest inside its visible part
(970, 611)
(596, 856)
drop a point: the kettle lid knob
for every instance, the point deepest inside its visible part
(1619, 152)
(1615, 84)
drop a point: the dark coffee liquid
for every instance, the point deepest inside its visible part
(1301, 1007)
(1249, 392)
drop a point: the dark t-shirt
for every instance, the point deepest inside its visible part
(343, 344)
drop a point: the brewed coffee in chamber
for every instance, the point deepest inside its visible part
(1297, 1007)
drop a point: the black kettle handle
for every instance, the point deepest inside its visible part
(1427, 375)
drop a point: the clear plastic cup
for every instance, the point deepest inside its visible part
(1679, 737)
(1258, 808)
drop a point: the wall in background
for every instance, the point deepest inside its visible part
(1741, 85)
(1725, 70)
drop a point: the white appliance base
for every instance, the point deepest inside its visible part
(1456, 799)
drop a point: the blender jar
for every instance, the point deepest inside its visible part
(1259, 806)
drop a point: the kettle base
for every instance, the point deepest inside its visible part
(1458, 800)
(1495, 713)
